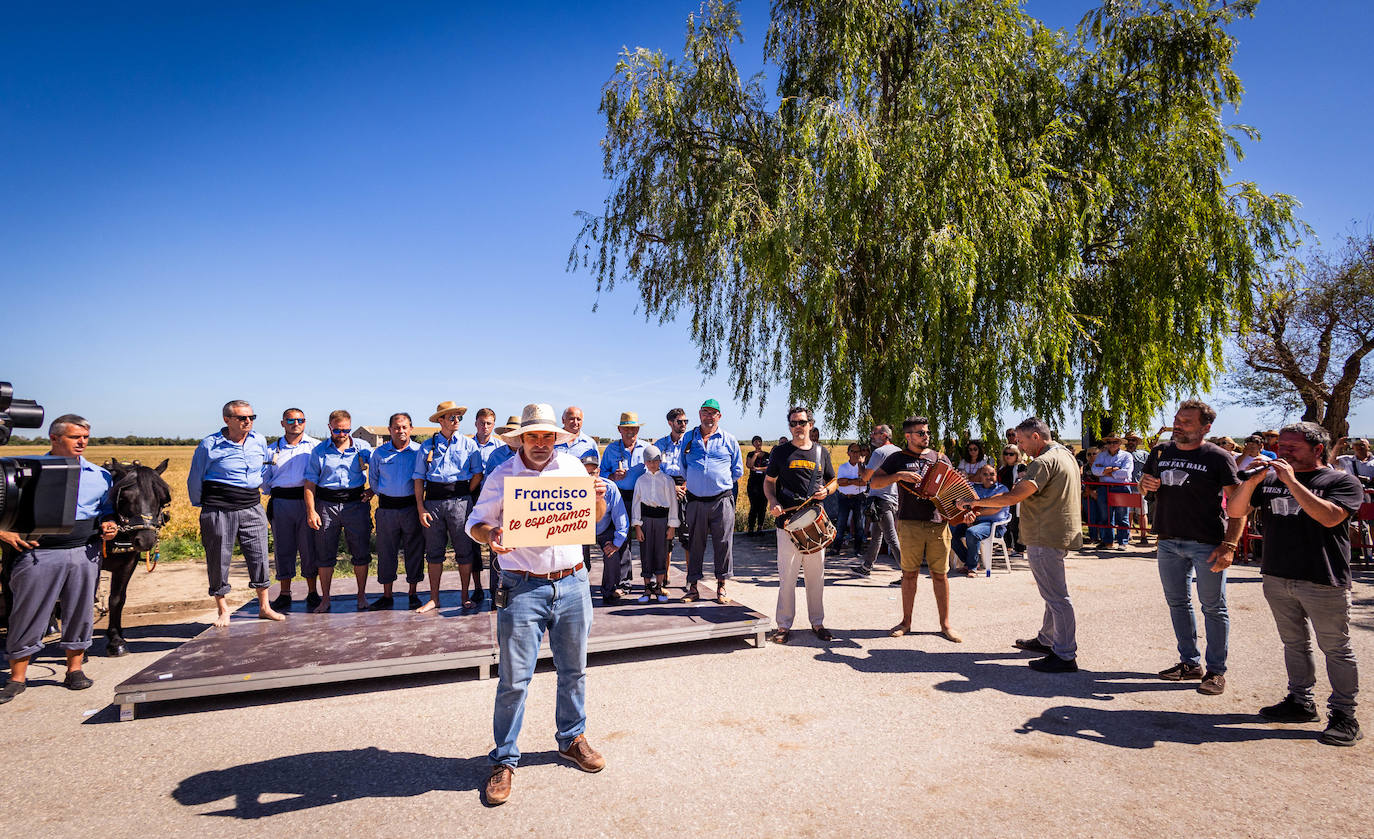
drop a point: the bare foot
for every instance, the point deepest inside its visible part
(950, 635)
(362, 604)
(899, 630)
(222, 619)
(427, 608)
(322, 608)
(270, 614)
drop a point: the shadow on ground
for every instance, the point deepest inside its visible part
(316, 779)
(1141, 729)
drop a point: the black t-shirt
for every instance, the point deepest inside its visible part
(1296, 547)
(910, 506)
(1189, 494)
(799, 473)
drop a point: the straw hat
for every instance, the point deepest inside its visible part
(1111, 438)
(537, 417)
(628, 418)
(448, 408)
(512, 423)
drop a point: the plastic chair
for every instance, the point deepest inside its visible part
(986, 551)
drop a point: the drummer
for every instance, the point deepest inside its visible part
(800, 476)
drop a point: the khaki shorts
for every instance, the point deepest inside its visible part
(924, 540)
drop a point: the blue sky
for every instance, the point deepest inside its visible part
(336, 205)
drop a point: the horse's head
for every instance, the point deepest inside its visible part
(140, 499)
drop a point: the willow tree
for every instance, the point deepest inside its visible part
(946, 207)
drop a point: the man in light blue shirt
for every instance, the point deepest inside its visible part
(390, 471)
(580, 445)
(447, 470)
(488, 444)
(1112, 466)
(283, 480)
(622, 463)
(336, 499)
(670, 446)
(59, 567)
(612, 531)
(225, 482)
(711, 464)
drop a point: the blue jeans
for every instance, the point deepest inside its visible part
(1180, 561)
(563, 608)
(1105, 514)
(851, 522)
(968, 540)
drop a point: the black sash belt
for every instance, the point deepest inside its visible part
(339, 496)
(395, 502)
(709, 498)
(289, 493)
(217, 496)
(435, 491)
(653, 512)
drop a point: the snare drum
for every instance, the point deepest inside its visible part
(810, 530)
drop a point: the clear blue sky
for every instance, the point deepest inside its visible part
(337, 205)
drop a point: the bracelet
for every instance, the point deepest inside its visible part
(1232, 545)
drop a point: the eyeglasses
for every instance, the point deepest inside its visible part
(1010, 454)
(796, 423)
(244, 418)
(294, 421)
(452, 417)
(682, 420)
(917, 432)
(340, 432)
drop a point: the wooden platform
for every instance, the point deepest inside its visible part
(346, 645)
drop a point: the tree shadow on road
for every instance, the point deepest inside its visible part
(317, 779)
(1143, 729)
(994, 671)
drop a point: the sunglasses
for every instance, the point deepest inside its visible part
(245, 418)
(682, 420)
(1010, 454)
(340, 432)
(796, 423)
(453, 417)
(917, 433)
(294, 421)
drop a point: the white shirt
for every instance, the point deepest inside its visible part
(286, 464)
(655, 489)
(850, 470)
(874, 461)
(971, 469)
(492, 499)
(1359, 468)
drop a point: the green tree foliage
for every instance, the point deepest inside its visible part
(946, 208)
(1313, 327)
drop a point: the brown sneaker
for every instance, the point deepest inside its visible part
(498, 785)
(1213, 684)
(1181, 672)
(581, 753)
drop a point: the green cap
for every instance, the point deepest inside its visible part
(711, 403)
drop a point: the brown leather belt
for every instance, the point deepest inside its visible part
(552, 575)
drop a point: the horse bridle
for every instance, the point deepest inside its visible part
(123, 527)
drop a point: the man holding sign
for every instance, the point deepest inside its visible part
(543, 585)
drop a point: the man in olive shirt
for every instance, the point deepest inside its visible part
(1051, 525)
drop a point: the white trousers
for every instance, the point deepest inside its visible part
(812, 566)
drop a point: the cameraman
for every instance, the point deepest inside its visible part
(64, 568)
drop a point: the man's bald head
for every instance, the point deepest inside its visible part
(572, 419)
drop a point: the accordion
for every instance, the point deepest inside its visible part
(944, 486)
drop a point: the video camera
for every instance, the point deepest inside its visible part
(37, 494)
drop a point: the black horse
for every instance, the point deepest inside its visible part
(140, 498)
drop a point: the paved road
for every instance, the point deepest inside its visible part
(868, 735)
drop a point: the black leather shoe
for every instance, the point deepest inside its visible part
(381, 604)
(1032, 645)
(312, 600)
(281, 603)
(76, 680)
(1054, 664)
(11, 690)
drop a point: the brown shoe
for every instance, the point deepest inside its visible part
(1213, 684)
(1181, 672)
(581, 753)
(498, 785)
(691, 594)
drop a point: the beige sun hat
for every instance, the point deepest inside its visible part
(512, 423)
(448, 408)
(537, 416)
(628, 418)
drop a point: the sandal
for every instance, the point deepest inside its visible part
(721, 596)
(778, 636)
(823, 633)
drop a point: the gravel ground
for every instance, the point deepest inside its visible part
(868, 735)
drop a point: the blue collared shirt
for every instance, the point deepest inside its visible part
(223, 461)
(1123, 462)
(634, 463)
(286, 463)
(486, 450)
(712, 464)
(445, 461)
(672, 455)
(498, 457)
(579, 447)
(330, 468)
(995, 516)
(616, 515)
(93, 492)
(390, 472)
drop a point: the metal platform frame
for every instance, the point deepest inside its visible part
(614, 628)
